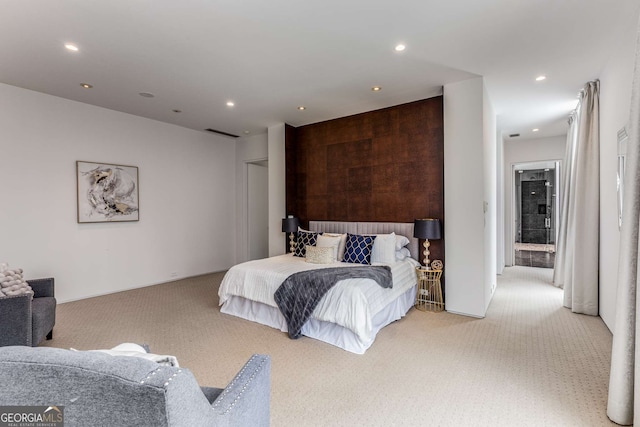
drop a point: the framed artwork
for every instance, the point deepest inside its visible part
(106, 192)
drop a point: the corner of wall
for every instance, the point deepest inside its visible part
(277, 187)
(464, 197)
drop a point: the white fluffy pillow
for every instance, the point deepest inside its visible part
(318, 255)
(135, 350)
(384, 249)
(402, 254)
(330, 241)
(401, 242)
(343, 243)
(12, 284)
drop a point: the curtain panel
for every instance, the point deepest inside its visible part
(577, 257)
(624, 404)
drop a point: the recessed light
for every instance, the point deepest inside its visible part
(535, 130)
(146, 94)
(71, 47)
(376, 88)
(540, 78)
(400, 48)
(246, 132)
(302, 108)
(177, 111)
(86, 85)
(230, 104)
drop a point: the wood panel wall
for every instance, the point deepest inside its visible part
(385, 165)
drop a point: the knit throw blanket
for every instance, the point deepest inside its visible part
(300, 293)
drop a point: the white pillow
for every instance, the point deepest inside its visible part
(343, 244)
(401, 241)
(329, 241)
(402, 254)
(135, 350)
(13, 284)
(384, 249)
(316, 255)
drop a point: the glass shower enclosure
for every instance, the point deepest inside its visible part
(535, 206)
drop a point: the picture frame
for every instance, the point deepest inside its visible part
(107, 192)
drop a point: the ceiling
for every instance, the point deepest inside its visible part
(270, 57)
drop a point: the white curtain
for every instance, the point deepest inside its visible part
(578, 242)
(567, 171)
(624, 405)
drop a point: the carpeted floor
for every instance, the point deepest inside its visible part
(530, 362)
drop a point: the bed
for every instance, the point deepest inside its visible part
(352, 312)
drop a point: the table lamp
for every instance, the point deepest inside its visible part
(290, 225)
(426, 229)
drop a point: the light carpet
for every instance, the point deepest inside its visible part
(530, 362)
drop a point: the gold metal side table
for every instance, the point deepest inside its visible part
(429, 294)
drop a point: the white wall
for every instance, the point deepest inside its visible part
(277, 188)
(500, 167)
(464, 195)
(248, 149)
(615, 99)
(490, 157)
(521, 151)
(186, 197)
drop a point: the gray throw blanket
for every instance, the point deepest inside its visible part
(300, 293)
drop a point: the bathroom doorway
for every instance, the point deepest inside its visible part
(536, 213)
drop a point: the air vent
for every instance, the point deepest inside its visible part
(219, 132)
(514, 135)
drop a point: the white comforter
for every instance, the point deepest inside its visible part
(351, 303)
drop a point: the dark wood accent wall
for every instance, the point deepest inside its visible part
(385, 165)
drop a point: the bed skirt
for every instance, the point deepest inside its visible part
(330, 333)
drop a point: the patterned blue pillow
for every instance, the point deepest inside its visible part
(303, 239)
(358, 249)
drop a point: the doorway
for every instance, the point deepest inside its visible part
(257, 209)
(536, 213)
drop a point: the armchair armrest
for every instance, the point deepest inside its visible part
(246, 400)
(15, 320)
(42, 287)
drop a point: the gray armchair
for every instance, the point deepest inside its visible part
(27, 321)
(98, 389)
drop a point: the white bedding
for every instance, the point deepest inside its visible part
(351, 303)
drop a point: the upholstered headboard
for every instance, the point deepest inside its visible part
(401, 228)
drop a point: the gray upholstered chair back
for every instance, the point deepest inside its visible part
(99, 389)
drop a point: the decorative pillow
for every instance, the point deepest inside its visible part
(402, 254)
(401, 241)
(384, 249)
(136, 350)
(303, 239)
(358, 249)
(12, 284)
(318, 255)
(329, 241)
(343, 241)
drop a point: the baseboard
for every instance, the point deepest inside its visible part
(101, 294)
